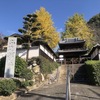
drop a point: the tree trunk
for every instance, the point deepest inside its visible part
(27, 54)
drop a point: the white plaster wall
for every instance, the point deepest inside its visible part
(21, 53)
(2, 54)
(99, 53)
(54, 59)
(99, 56)
(42, 48)
(33, 52)
(46, 52)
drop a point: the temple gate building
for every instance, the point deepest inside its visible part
(72, 48)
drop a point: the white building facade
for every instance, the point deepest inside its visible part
(34, 51)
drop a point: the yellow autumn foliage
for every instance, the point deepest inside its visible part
(76, 26)
(47, 31)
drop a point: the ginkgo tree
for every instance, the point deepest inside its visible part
(76, 26)
(48, 31)
(40, 25)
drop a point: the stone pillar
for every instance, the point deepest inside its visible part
(10, 58)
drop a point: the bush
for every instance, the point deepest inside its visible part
(20, 65)
(46, 65)
(24, 84)
(93, 71)
(27, 74)
(30, 83)
(7, 87)
(20, 68)
(18, 83)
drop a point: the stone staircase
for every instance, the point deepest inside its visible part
(62, 74)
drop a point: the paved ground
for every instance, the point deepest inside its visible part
(84, 92)
(52, 92)
(56, 91)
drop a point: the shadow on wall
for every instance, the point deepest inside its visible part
(80, 75)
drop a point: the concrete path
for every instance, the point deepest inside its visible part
(57, 91)
(51, 92)
(84, 92)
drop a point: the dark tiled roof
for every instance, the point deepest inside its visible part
(16, 35)
(71, 41)
(93, 48)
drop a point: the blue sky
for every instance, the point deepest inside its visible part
(13, 11)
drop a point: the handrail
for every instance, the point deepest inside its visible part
(68, 94)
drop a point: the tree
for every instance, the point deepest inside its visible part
(40, 25)
(2, 41)
(30, 27)
(47, 30)
(94, 24)
(29, 30)
(76, 26)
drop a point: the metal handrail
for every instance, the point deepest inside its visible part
(68, 93)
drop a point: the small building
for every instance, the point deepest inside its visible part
(94, 54)
(72, 48)
(37, 48)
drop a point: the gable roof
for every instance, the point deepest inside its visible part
(40, 42)
(93, 48)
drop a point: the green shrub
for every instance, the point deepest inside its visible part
(46, 65)
(20, 68)
(20, 65)
(27, 74)
(18, 83)
(93, 70)
(24, 84)
(30, 83)
(7, 87)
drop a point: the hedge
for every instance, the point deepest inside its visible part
(93, 71)
(45, 65)
(7, 87)
(21, 70)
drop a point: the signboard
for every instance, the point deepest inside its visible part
(61, 59)
(61, 56)
(10, 58)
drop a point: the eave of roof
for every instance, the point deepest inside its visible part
(46, 45)
(72, 53)
(67, 51)
(93, 48)
(75, 42)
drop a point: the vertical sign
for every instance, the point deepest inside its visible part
(10, 58)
